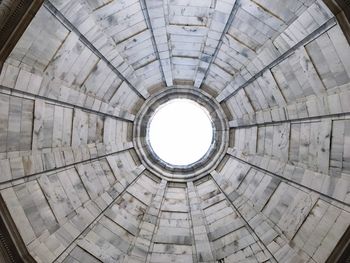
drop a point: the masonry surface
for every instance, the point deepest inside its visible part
(78, 191)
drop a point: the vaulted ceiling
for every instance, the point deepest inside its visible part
(76, 190)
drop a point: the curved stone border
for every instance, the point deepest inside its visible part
(181, 172)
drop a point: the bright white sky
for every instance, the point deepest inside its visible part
(180, 132)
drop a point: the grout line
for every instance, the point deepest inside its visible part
(245, 221)
(28, 178)
(62, 103)
(319, 31)
(332, 115)
(55, 12)
(227, 27)
(283, 179)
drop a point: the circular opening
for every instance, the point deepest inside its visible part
(180, 132)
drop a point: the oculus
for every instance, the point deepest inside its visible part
(180, 132)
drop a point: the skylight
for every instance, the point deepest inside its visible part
(180, 132)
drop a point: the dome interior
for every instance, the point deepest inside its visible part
(80, 82)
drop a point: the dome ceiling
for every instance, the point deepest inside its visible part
(79, 182)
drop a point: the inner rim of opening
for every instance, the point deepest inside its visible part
(180, 132)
